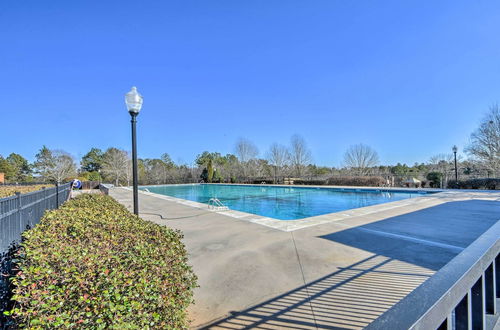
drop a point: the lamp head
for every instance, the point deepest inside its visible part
(133, 100)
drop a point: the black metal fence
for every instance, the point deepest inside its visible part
(23, 210)
(16, 214)
(464, 294)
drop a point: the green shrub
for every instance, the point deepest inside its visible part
(435, 179)
(94, 176)
(484, 184)
(367, 181)
(93, 264)
(310, 182)
(210, 170)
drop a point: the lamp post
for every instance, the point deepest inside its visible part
(133, 100)
(455, 149)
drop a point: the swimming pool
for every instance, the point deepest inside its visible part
(283, 203)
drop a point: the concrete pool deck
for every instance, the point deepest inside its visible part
(342, 273)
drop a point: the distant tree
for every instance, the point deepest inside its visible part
(210, 171)
(92, 161)
(485, 141)
(245, 150)
(7, 168)
(262, 169)
(230, 167)
(142, 171)
(400, 169)
(203, 158)
(360, 158)
(116, 165)
(278, 157)
(217, 176)
(65, 166)
(44, 161)
(300, 155)
(318, 171)
(55, 165)
(21, 167)
(169, 163)
(442, 164)
(157, 169)
(128, 169)
(224, 166)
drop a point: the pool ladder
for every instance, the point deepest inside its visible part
(216, 205)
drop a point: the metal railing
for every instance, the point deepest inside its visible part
(104, 188)
(215, 204)
(462, 295)
(23, 210)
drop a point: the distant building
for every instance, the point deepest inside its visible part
(2, 178)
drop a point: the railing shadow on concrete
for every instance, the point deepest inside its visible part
(345, 299)
(355, 296)
(464, 294)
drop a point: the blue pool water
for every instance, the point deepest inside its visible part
(283, 203)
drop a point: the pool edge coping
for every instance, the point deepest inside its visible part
(292, 225)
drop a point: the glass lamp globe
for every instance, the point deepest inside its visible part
(133, 100)
(455, 149)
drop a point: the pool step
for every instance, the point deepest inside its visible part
(216, 205)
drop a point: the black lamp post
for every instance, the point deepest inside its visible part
(455, 149)
(133, 100)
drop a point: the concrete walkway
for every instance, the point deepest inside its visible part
(336, 275)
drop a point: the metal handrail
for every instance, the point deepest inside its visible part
(461, 295)
(216, 204)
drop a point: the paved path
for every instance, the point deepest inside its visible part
(337, 275)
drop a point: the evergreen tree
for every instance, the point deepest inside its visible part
(210, 170)
(22, 169)
(92, 161)
(6, 168)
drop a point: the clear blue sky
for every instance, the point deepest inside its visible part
(409, 78)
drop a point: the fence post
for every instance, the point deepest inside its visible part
(18, 213)
(44, 200)
(57, 195)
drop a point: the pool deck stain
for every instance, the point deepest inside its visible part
(336, 271)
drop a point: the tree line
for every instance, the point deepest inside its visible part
(248, 165)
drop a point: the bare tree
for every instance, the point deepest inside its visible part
(55, 165)
(300, 155)
(156, 171)
(278, 156)
(245, 150)
(116, 165)
(485, 141)
(360, 158)
(442, 163)
(128, 170)
(65, 166)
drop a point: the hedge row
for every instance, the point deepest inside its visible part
(93, 264)
(310, 182)
(485, 184)
(368, 181)
(8, 190)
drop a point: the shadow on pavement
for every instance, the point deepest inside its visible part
(407, 249)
